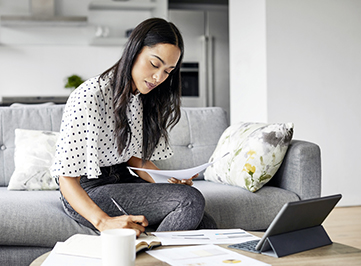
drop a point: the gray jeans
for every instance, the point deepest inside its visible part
(167, 207)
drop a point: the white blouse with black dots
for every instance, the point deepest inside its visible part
(87, 141)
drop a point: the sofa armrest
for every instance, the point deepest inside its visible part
(300, 171)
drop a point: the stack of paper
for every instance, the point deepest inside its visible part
(161, 176)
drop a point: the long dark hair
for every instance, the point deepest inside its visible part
(161, 106)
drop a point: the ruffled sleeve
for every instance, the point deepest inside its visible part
(77, 147)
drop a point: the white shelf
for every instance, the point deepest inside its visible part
(29, 21)
(122, 5)
(109, 41)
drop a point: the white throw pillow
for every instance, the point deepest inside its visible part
(33, 156)
(256, 152)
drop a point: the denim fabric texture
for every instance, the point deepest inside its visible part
(167, 207)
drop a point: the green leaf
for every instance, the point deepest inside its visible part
(248, 183)
(264, 177)
(238, 152)
(73, 81)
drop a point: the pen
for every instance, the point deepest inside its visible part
(119, 207)
(122, 210)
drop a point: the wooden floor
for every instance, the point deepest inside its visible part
(344, 226)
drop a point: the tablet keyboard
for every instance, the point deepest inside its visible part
(247, 246)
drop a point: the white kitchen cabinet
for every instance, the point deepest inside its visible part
(115, 18)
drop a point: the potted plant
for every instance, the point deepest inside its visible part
(73, 82)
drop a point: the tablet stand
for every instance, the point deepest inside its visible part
(296, 241)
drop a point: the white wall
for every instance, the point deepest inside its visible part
(41, 70)
(313, 60)
(248, 61)
(35, 61)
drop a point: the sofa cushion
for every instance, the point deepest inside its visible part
(190, 145)
(37, 118)
(256, 152)
(12, 255)
(194, 138)
(34, 154)
(234, 207)
(39, 219)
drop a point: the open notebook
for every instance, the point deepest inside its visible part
(90, 245)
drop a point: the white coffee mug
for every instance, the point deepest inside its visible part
(118, 247)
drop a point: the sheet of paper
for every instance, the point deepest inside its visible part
(82, 245)
(56, 259)
(205, 255)
(161, 176)
(197, 237)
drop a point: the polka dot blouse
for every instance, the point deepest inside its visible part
(86, 140)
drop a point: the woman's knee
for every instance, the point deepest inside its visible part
(193, 197)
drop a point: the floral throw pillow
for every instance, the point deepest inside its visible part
(34, 154)
(256, 152)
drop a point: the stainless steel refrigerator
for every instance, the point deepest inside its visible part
(206, 58)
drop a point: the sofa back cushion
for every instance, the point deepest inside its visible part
(27, 117)
(193, 139)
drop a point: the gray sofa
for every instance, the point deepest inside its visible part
(32, 222)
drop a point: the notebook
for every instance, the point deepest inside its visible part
(90, 245)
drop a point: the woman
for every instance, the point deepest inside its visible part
(120, 119)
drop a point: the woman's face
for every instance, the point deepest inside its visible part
(153, 66)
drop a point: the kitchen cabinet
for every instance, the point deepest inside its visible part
(113, 19)
(87, 22)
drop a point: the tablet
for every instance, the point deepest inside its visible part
(299, 215)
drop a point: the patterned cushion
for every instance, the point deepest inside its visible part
(34, 154)
(256, 152)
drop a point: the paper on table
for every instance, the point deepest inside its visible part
(57, 259)
(211, 236)
(82, 245)
(202, 255)
(161, 176)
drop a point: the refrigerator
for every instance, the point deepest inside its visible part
(206, 56)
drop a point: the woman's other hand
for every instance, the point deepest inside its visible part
(188, 182)
(135, 222)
